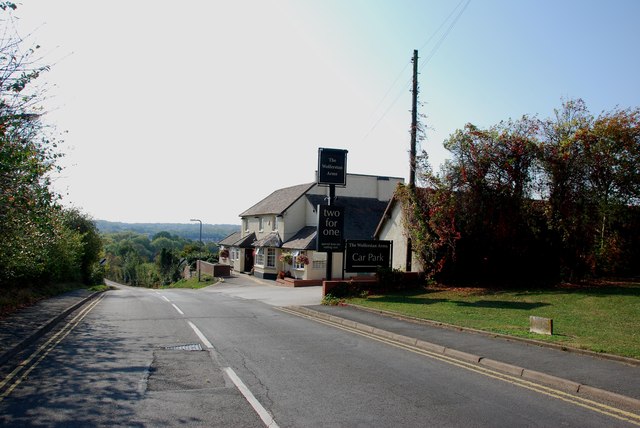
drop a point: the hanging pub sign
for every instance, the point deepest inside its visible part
(332, 167)
(330, 228)
(367, 256)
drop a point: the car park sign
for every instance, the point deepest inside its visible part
(367, 256)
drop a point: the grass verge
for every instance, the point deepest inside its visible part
(205, 281)
(603, 317)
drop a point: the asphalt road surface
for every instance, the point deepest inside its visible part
(230, 356)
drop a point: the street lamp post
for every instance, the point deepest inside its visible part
(195, 219)
(200, 221)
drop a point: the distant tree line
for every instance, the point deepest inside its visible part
(136, 259)
(40, 242)
(532, 200)
(210, 232)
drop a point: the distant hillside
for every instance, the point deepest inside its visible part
(210, 232)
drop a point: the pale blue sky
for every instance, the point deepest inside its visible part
(177, 110)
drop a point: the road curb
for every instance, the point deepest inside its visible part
(44, 329)
(500, 366)
(565, 348)
(524, 373)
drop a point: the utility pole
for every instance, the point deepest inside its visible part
(412, 153)
(414, 121)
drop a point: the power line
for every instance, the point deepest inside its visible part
(391, 87)
(446, 33)
(464, 4)
(442, 24)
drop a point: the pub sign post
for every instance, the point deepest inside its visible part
(330, 228)
(332, 167)
(332, 172)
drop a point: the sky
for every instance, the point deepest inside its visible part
(199, 109)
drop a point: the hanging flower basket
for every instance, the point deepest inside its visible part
(286, 258)
(224, 253)
(302, 259)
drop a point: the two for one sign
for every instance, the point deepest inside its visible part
(330, 228)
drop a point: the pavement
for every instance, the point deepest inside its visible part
(22, 328)
(252, 288)
(613, 379)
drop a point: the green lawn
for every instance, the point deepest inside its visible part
(601, 318)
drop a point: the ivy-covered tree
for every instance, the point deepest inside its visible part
(429, 218)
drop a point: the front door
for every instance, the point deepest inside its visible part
(248, 259)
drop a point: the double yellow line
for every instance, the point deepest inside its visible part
(601, 408)
(22, 371)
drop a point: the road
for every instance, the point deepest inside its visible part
(232, 356)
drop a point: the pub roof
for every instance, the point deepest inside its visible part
(279, 201)
(361, 215)
(236, 240)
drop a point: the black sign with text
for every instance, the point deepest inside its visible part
(367, 256)
(332, 167)
(330, 228)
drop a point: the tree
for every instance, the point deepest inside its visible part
(83, 225)
(135, 260)
(611, 147)
(168, 266)
(533, 199)
(28, 156)
(491, 173)
(124, 252)
(163, 243)
(591, 179)
(561, 156)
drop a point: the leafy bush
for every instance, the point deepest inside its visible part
(331, 300)
(533, 200)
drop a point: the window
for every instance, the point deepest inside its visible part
(271, 257)
(274, 224)
(245, 224)
(261, 221)
(319, 261)
(260, 256)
